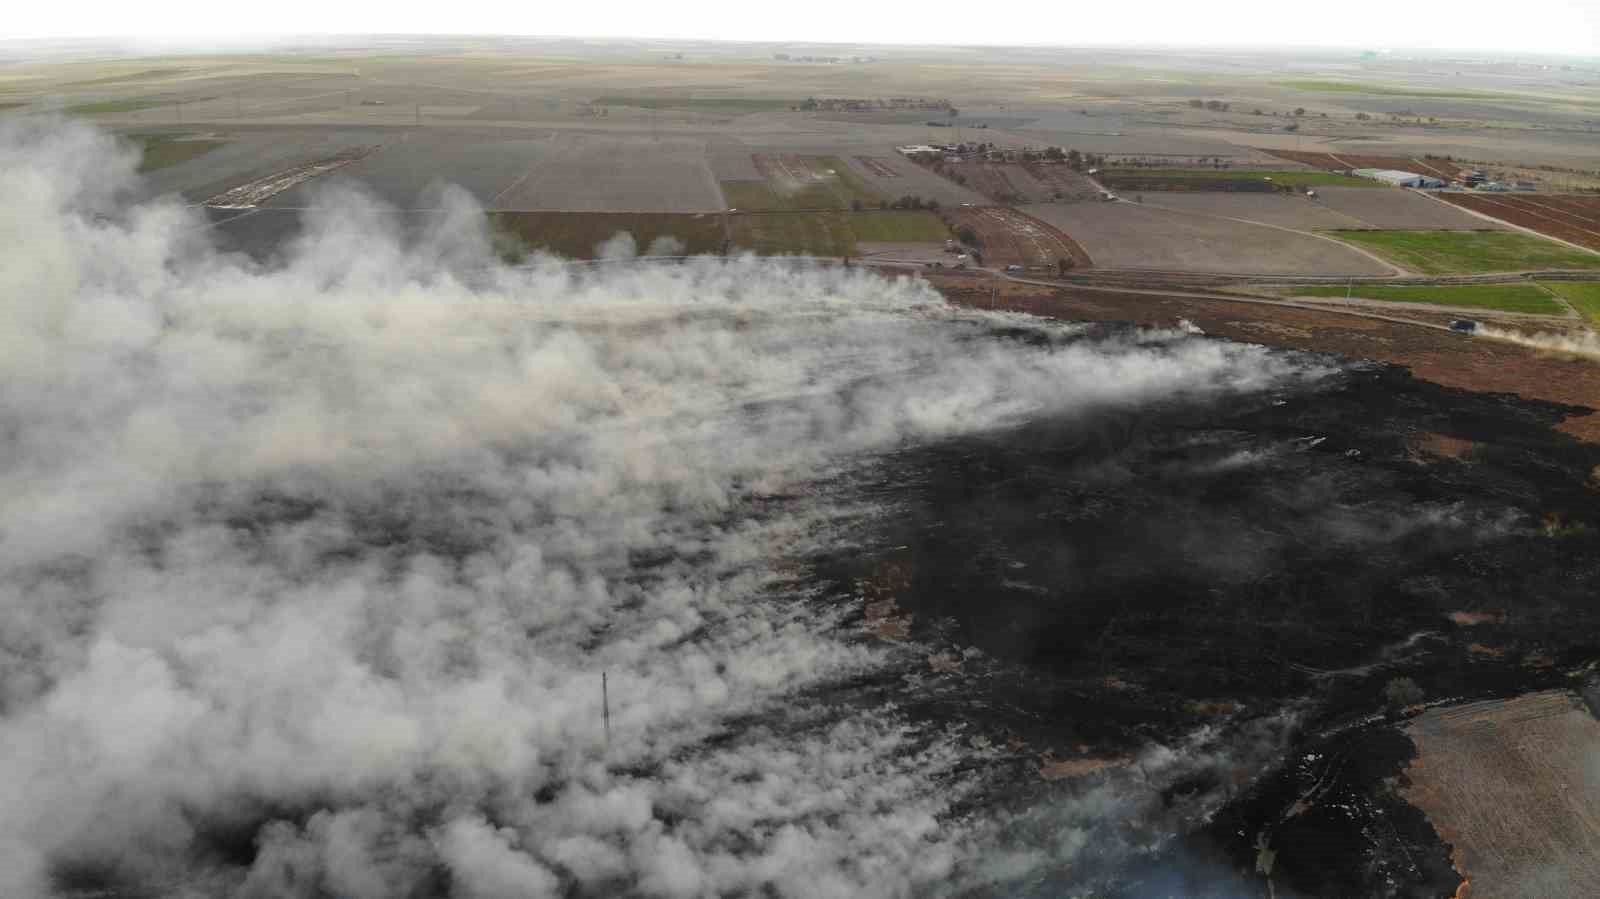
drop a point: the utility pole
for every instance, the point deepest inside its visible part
(605, 705)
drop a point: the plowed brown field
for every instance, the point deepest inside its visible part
(1571, 218)
(1010, 237)
(1338, 162)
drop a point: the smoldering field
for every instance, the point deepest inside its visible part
(310, 569)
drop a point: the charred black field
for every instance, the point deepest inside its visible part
(1273, 563)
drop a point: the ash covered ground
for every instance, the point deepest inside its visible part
(310, 570)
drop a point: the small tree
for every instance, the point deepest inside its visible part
(1063, 264)
(1075, 159)
(1401, 692)
(966, 235)
(1299, 110)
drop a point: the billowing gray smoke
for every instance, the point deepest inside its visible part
(309, 572)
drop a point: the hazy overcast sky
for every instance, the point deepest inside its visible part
(1564, 26)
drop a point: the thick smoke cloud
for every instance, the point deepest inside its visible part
(309, 571)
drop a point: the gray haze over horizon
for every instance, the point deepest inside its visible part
(1566, 27)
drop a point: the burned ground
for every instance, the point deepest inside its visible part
(1151, 573)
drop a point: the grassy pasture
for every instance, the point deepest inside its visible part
(1503, 297)
(575, 235)
(1458, 252)
(157, 151)
(1583, 295)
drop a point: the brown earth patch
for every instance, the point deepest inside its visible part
(1053, 769)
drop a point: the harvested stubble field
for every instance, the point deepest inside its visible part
(791, 182)
(1510, 784)
(896, 176)
(1463, 252)
(1398, 210)
(1225, 180)
(1285, 210)
(1009, 237)
(1064, 182)
(604, 173)
(1002, 182)
(1128, 235)
(578, 235)
(1570, 218)
(832, 233)
(877, 167)
(1524, 298)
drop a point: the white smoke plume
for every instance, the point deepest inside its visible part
(309, 571)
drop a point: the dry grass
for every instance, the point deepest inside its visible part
(1511, 785)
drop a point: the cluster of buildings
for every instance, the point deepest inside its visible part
(1474, 180)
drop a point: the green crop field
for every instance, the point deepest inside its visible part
(1199, 179)
(1380, 90)
(840, 190)
(575, 235)
(157, 151)
(833, 233)
(1504, 297)
(1583, 295)
(706, 104)
(898, 226)
(1456, 252)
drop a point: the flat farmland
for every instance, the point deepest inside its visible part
(1511, 786)
(1570, 218)
(1063, 181)
(999, 182)
(793, 182)
(1009, 237)
(1463, 252)
(1261, 181)
(578, 235)
(1401, 210)
(1282, 209)
(1527, 299)
(1126, 235)
(894, 176)
(610, 173)
(832, 233)
(877, 167)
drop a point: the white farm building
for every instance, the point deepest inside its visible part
(1398, 178)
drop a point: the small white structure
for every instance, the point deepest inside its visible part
(1398, 178)
(916, 150)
